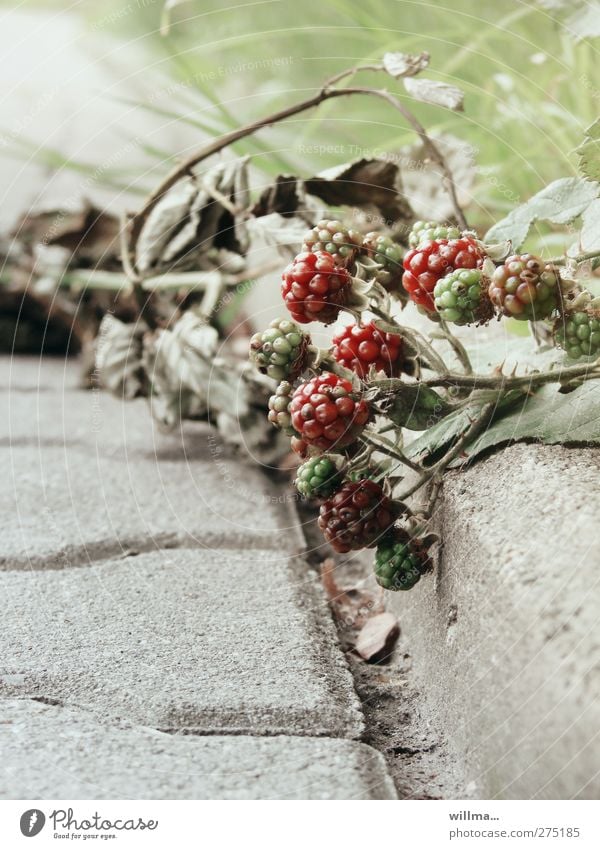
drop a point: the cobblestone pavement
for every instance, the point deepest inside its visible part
(163, 635)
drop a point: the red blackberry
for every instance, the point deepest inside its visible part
(360, 346)
(357, 516)
(326, 414)
(431, 261)
(315, 288)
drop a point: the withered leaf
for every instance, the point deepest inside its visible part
(377, 638)
(436, 93)
(366, 183)
(405, 64)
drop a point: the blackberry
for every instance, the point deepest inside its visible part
(279, 403)
(429, 231)
(357, 516)
(462, 298)
(315, 287)
(361, 346)
(319, 477)
(431, 261)
(280, 351)
(326, 414)
(333, 237)
(389, 254)
(578, 333)
(398, 563)
(525, 287)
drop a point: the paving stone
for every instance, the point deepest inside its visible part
(69, 505)
(54, 752)
(38, 374)
(237, 641)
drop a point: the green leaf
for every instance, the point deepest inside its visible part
(549, 416)
(589, 239)
(561, 202)
(442, 433)
(589, 152)
(410, 405)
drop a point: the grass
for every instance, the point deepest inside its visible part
(529, 94)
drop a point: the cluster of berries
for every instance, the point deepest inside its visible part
(443, 275)
(324, 413)
(322, 408)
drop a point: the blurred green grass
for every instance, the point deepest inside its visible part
(530, 89)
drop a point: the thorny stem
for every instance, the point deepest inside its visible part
(142, 299)
(501, 382)
(562, 260)
(430, 356)
(436, 485)
(387, 447)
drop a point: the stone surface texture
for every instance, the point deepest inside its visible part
(163, 635)
(229, 641)
(504, 636)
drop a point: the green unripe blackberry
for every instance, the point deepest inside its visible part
(578, 333)
(461, 297)
(398, 564)
(427, 231)
(319, 477)
(333, 237)
(389, 254)
(280, 350)
(279, 403)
